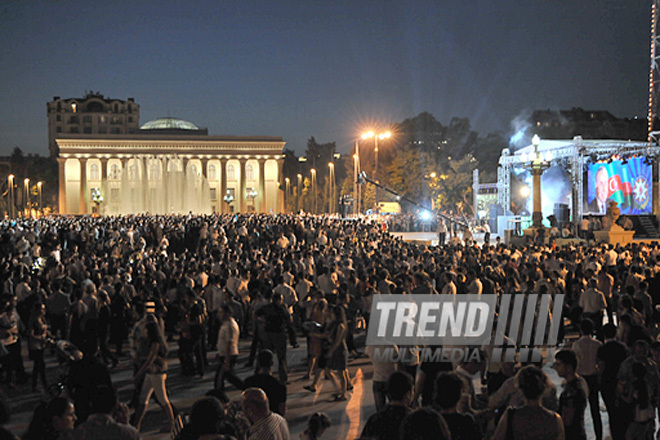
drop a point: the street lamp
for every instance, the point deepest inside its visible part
(381, 136)
(356, 187)
(12, 200)
(39, 185)
(251, 194)
(28, 211)
(313, 171)
(536, 164)
(97, 198)
(331, 180)
(298, 191)
(228, 198)
(287, 182)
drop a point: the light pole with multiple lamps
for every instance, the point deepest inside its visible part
(39, 187)
(331, 181)
(12, 195)
(380, 136)
(313, 173)
(28, 210)
(97, 198)
(251, 194)
(228, 198)
(536, 163)
(299, 192)
(356, 187)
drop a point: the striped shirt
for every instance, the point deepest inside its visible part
(273, 427)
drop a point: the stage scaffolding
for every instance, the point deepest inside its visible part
(574, 155)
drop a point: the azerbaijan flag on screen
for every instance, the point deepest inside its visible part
(629, 185)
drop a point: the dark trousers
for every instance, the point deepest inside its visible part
(38, 368)
(58, 324)
(276, 342)
(442, 237)
(255, 346)
(13, 362)
(617, 420)
(594, 407)
(221, 375)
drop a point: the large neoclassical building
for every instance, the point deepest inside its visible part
(169, 166)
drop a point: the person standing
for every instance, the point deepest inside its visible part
(442, 232)
(9, 338)
(593, 304)
(227, 350)
(100, 424)
(385, 424)
(532, 420)
(610, 357)
(274, 389)
(573, 400)
(37, 334)
(264, 424)
(276, 322)
(154, 371)
(586, 349)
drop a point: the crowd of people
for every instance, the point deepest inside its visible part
(149, 284)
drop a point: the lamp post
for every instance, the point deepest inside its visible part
(287, 182)
(12, 201)
(41, 209)
(228, 198)
(536, 164)
(97, 198)
(298, 192)
(356, 187)
(380, 136)
(26, 183)
(313, 172)
(251, 194)
(331, 196)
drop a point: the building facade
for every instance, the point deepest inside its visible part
(169, 167)
(93, 114)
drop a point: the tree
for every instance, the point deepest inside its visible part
(454, 185)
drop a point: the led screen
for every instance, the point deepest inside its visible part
(627, 184)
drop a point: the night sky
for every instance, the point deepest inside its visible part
(326, 69)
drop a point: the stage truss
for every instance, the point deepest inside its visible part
(574, 155)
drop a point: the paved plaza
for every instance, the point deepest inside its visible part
(348, 418)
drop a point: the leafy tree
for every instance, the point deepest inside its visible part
(453, 185)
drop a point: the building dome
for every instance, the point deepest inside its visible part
(169, 124)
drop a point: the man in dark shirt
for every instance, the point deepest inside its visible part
(384, 425)
(276, 322)
(274, 389)
(610, 356)
(573, 400)
(448, 392)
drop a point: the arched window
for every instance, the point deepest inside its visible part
(94, 172)
(153, 172)
(213, 174)
(132, 172)
(193, 170)
(249, 172)
(231, 172)
(114, 172)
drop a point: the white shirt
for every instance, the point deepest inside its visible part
(592, 301)
(586, 349)
(382, 369)
(228, 337)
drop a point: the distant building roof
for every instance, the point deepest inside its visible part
(169, 124)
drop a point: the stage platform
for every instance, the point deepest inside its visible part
(431, 239)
